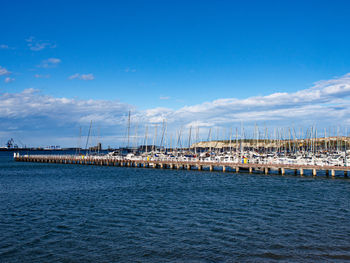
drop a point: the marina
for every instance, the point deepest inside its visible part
(279, 153)
(192, 163)
(258, 150)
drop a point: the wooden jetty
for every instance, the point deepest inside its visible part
(188, 165)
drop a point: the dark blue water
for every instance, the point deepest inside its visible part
(68, 213)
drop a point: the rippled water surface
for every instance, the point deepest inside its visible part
(68, 213)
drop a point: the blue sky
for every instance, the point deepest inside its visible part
(160, 57)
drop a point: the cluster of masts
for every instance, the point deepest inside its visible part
(321, 152)
(256, 137)
(282, 146)
(257, 145)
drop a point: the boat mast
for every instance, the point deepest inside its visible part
(230, 141)
(345, 149)
(171, 143)
(241, 142)
(135, 139)
(127, 145)
(189, 138)
(163, 132)
(197, 139)
(256, 131)
(98, 140)
(209, 139)
(155, 137)
(77, 151)
(165, 137)
(87, 140)
(236, 146)
(146, 139)
(179, 143)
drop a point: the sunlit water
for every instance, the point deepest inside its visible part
(70, 213)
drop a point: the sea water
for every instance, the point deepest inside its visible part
(72, 213)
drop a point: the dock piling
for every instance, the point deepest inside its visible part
(266, 170)
(223, 166)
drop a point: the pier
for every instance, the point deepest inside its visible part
(267, 168)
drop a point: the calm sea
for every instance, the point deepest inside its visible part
(68, 213)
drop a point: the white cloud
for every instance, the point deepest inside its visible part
(37, 45)
(40, 76)
(74, 76)
(35, 117)
(87, 77)
(50, 63)
(82, 76)
(32, 103)
(8, 79)
(164, 97)
(4, 71)
(326, 104)
(54, 60)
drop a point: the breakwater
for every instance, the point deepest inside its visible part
(188, 164)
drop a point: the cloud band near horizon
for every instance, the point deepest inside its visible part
(41, 119)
